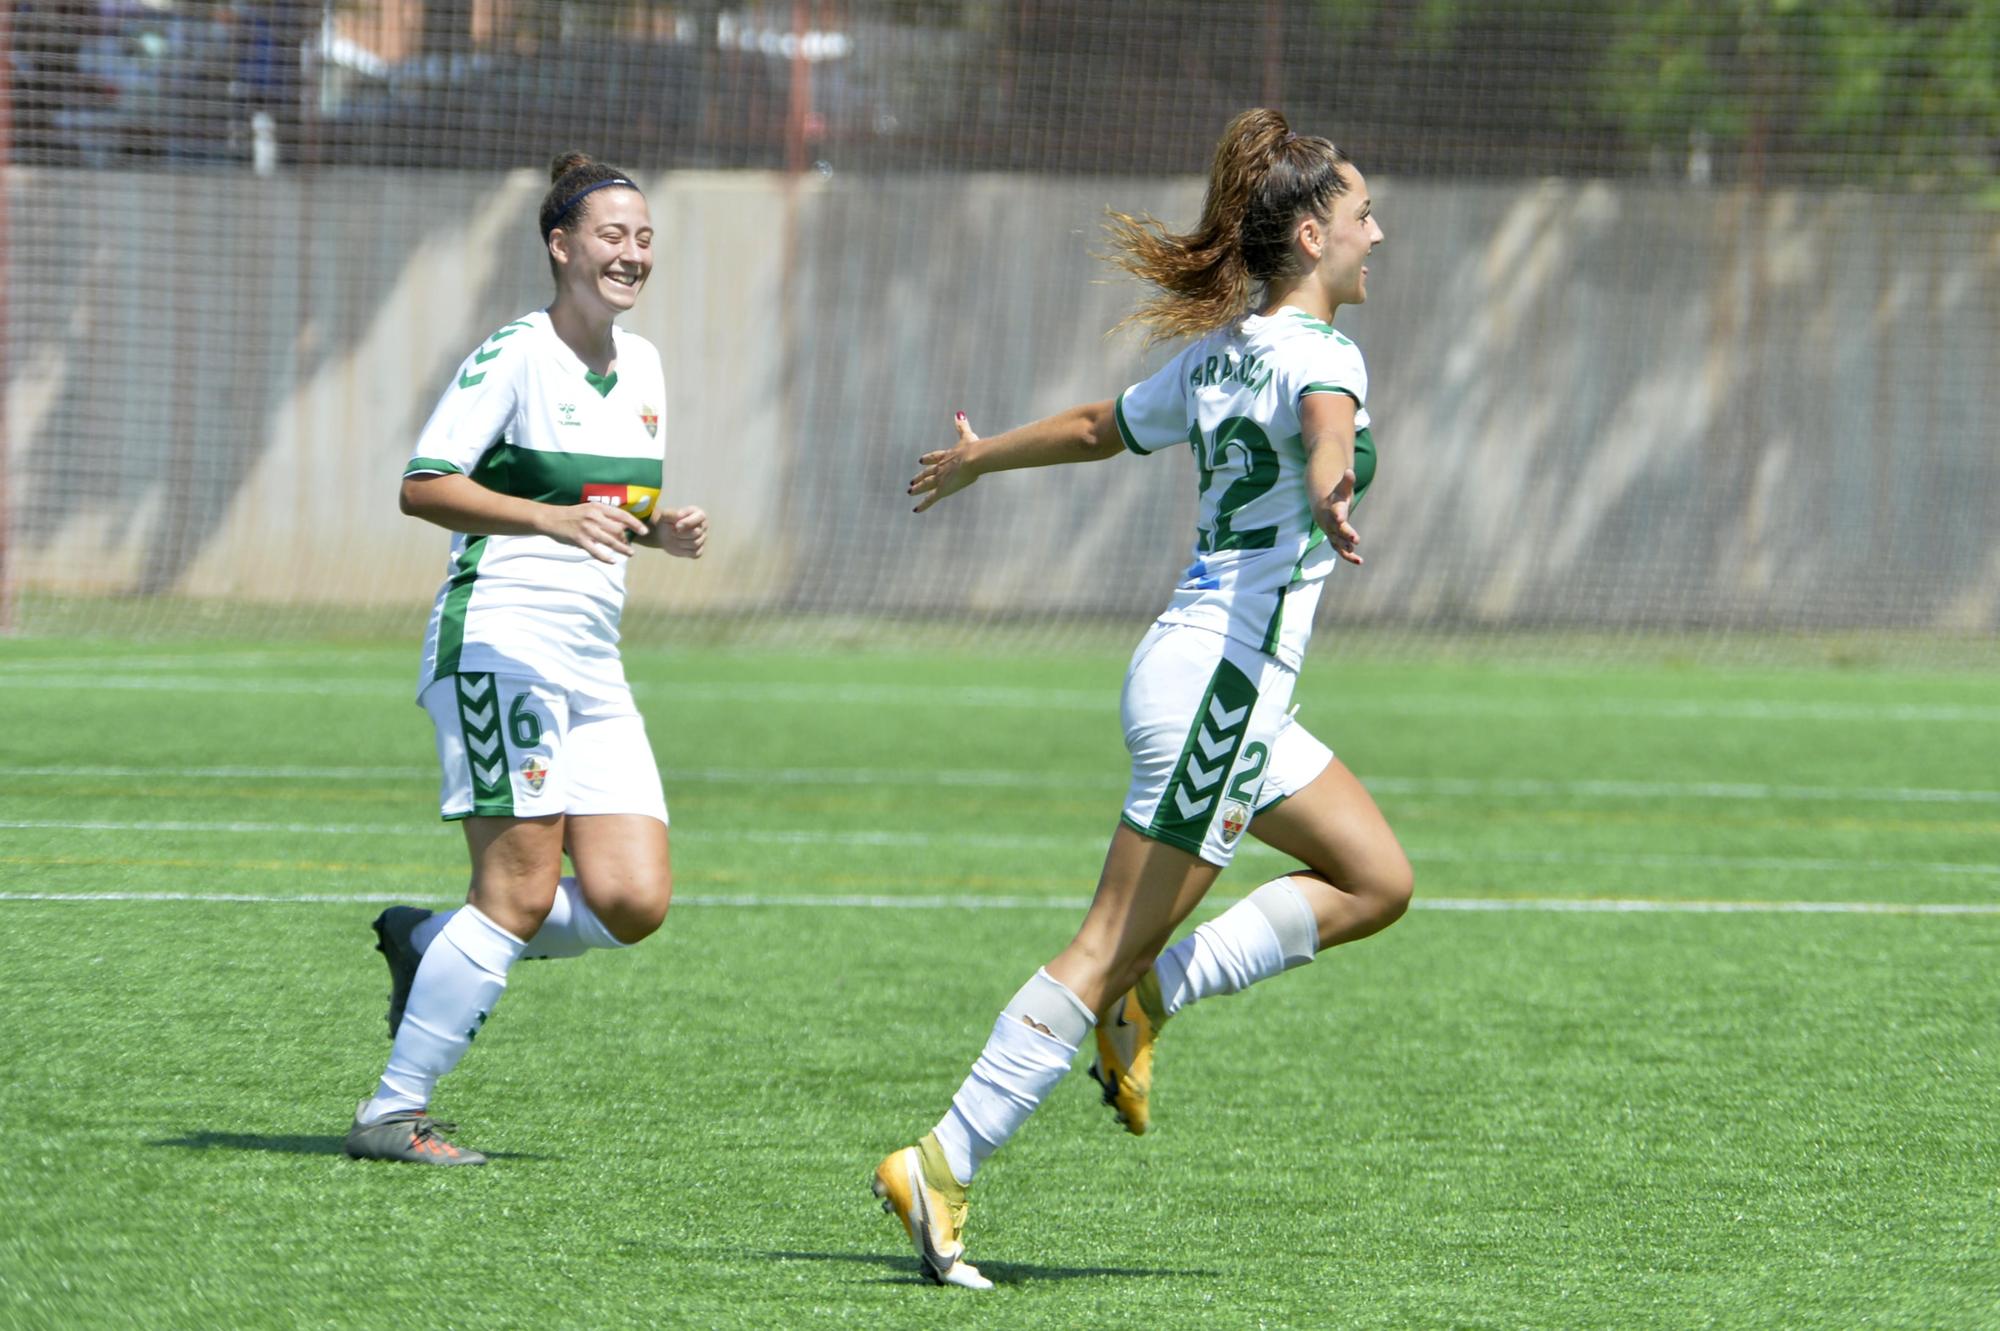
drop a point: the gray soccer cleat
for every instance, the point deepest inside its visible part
(411, 1136)
(392, 939)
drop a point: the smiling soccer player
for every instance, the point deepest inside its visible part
(545, 458)
(1272, 401)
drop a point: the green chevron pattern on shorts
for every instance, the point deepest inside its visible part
(485, 750)
(1194, 793)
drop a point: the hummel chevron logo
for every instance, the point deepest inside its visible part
(1191, 811)
(485, 749)
(473, 687)
(481, 357)
(1213, 748)
(1226, 720)
(480, 719)
(488, 776)
(1200, 778)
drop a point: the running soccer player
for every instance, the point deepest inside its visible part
(544, 457)
(1272, 402)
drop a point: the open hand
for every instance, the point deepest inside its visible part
(944, 472)
(1330, 512)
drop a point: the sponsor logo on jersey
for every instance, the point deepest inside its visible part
(1235, 817)
(638, 500)
(567, 411)
(533, 772)
(651, 420)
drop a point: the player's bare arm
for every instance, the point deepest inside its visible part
(459, 503)
(1326, 423)
(1086, 433)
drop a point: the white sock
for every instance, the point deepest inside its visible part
(571, 929)
(1271, 930)
(457, 986)
(426, 930)
(1014, 1073)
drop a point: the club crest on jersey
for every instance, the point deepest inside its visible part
(651, 420)
(533, 773)
(1235, 817)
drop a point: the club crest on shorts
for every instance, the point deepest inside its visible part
(1235, 817)
(533, 772)
(651, 420)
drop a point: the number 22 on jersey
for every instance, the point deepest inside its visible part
(1259, 462)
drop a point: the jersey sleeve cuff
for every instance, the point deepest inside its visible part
(1124, 430)
(1331, 388)
(432, 467)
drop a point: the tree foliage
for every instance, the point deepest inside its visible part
(1824, 90)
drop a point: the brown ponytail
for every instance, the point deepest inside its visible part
(1264, 178)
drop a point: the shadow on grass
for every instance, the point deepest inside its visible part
(1000, 1273)
(292, 1145)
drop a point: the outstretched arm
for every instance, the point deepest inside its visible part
(1326, 423)
(1088, 433)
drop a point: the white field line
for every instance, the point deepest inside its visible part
(879, 839)
(1558, 905)
(1068, 700)
(1001, 778)
(238, 772)
(257, 660)
(86, 682)
(1712, 790)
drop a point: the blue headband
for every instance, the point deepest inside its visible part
(563, 211)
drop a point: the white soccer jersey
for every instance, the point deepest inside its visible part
(1233, 396)
(526, 417)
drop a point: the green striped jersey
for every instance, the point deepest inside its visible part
(526, 417)
(1233, 397)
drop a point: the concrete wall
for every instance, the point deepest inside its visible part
(1596, 405)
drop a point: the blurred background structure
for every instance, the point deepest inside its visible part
(1688, 320)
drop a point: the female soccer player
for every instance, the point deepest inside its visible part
(1273, 403)
(544, 456)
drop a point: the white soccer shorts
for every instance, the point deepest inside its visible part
(512, 746)
(1211, 740)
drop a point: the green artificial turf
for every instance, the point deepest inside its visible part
(1759, 1092)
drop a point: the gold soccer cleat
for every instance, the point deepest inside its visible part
(1124, 1064)
(916, 1187)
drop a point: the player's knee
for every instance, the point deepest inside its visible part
(518, 907)
(1389, 889)
(638, 911)
(1380, 889)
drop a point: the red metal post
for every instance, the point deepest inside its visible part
(7, 613)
